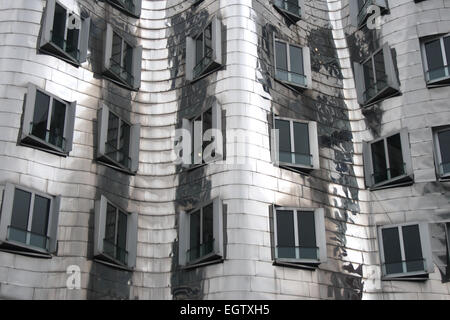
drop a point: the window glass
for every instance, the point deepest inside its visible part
(208, 230)
(73, 34)
(369, 80)
(379, 161)
(20, 215)
(434, 59)
(194, 236)
(307, 234)
(392, 251)
(284, 142)
(285, 234)
(111, 140)
(124, 142)
(127, 62)
(380, 71)
(413, 248)
(296, 57)
(207, 124)
(208, 40)
(57, 123)
(116, 53)
(59, 26)
(41, 211)
(281, 59)
(396, 165)
(301, 143)
(199, 49)
(122, 237)
(447, 49)
(40, 117)
(110, 230)
(444, 146)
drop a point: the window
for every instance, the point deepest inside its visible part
(204, 51)
(359, 10)
(196, 2)
(436, 56)
(387, 161)
(442, 151)
(299, 235)
(118, 141)
(292, 65)
(405, 250)
(115, 237)
(48, 121)
(122, 61)
(205, 141)
(29, 220)
(131, 7)
(292, 9)
(295, 144)
(64, 33)
(375, 78)
(201, 234)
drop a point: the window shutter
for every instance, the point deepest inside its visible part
(47, 23)
(392, 79)
(29, 110)
(135, 137)
(100, 224)
(321, 239)
(190, 58)
(359, 82)
(187, 142)
(7, 206)
(367, 164)
(217, 40)
(137, 7)
(307, 66)
(102, 129)
(198, 145)
(70, 125)
(218, 226)
(274, 139)
(217, 124)
(425, 241)
(381, 249)
(183, 237)
(314, 144)
(84, 40)
(272, 230)
(353, 13)
(132, 231)
(107, 47)
(137, 67)
(406, 152)
(53, 224)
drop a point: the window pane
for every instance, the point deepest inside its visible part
(392, 251)
(41, 211)
(379, 162)
(413, 248)
(194, 236)
(208, 230)
(20, 215)
(112, 136)
(207, 124)
(447, 49)
(40, 116)
(301, 143)
(284, 141)
(296, 57)
(361, 4)
(369, 80)
(59, 26)
(116, 53)
(396, 166)
(208, 40)
(73, 34)
(124, 142)
(434, 59)
(281, 60)
(380, 71)
(444, 146)
(307, 234)
(285, 234)
(199, 49)
(121, 253)
(110, 231)
(127, 62)
(57, 124)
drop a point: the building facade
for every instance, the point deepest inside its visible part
(224, 149)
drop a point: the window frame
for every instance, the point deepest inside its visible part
(306, 65)
(100, 230)
(52, 223)
(133, 144)
(313, 145)
(404, 179)
(437, 152)
(425, 243)
(46, 44)
(218, 252)
(446, 60)
(293, 17)
(30, 140)
(320, 232)
(135, 14)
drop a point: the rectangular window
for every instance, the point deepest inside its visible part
(299, 235)
(201, 234)
(118, 141)
(387, 161)
(122, 61)
(64, 33)
(296, 143)
(29, 219)
(436, 56)
(405, 250)
(130, 7)
(292, 9)
(115, 235)
(292, 65)
(204, 51)
(48, 121)
(442, 151)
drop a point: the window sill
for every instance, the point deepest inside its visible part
(37, 143)
(115, 165)
(413, 276)
(384, 94)
(108, 74)
(209, 259)
(294, 18)
(53, 50)
(400, 181)
(298, 264)
(112, 263)
(23, 249)
(123, 9)
(305, 170)
(291, 85)
(213, 67)
(442, 82)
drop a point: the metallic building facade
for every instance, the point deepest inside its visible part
(248, 95)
